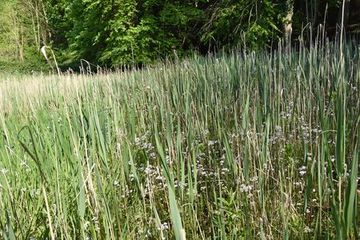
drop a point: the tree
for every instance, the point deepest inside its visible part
(21, 32)
(123, 32)
(253, 24)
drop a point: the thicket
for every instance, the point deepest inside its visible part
(125, 32)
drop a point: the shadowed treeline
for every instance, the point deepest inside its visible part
(113, 33)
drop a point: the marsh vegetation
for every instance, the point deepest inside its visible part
(241, 146)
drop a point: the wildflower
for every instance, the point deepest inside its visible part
(152, 155)
(116, 183)
(148, 170)
(137, 141)
(163, 226)
(212, 143)
(278, 129)
(245, 188)
(132, 177)
(86, 225)
(302, 170)
(307, 229)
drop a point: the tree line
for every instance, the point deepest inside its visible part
(126, 32)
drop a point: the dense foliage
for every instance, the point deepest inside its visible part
(126, 32)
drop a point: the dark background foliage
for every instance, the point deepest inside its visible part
(115, 33)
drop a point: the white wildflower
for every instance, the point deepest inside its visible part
(307, 229)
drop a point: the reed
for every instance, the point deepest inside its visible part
(241, 146)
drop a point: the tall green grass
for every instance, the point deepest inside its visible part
(241, 146)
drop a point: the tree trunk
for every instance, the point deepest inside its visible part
(288, 21)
